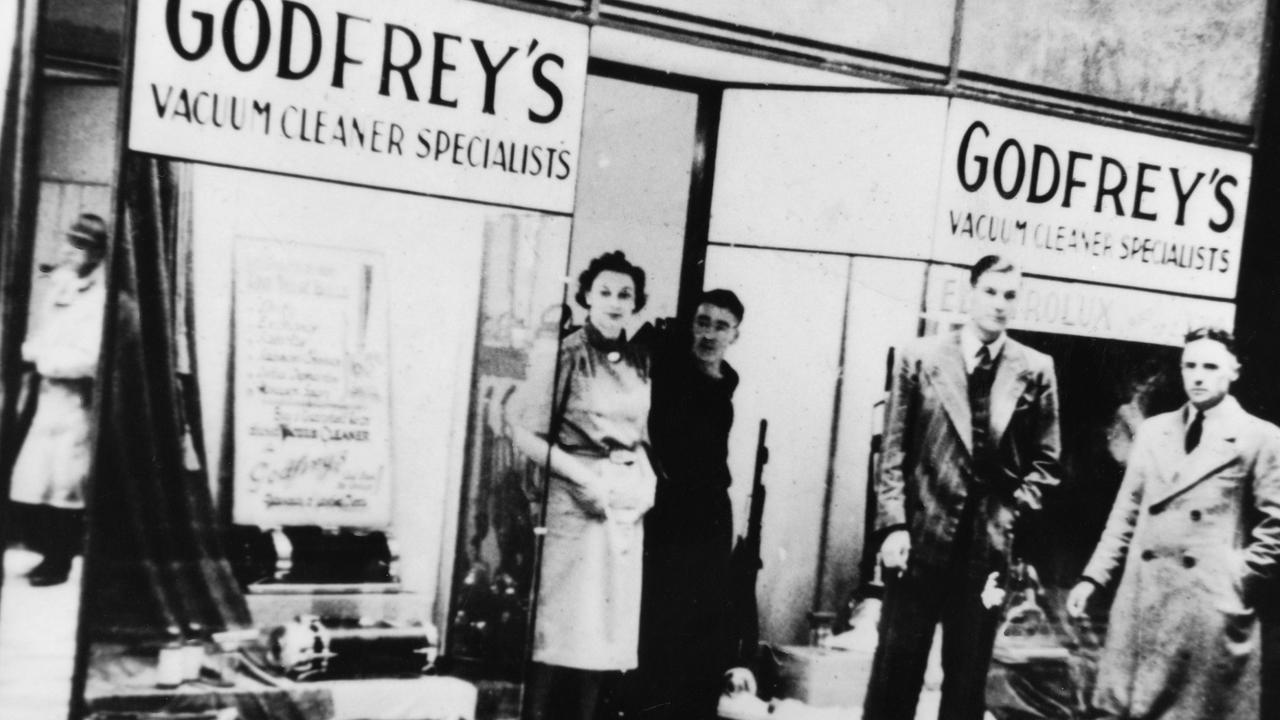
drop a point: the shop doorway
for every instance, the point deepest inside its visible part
(820, 223)
(1105, 389)
(640, 173)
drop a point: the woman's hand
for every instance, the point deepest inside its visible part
(1078, 598)
(631, 487)
(592, 493)
(895, 550)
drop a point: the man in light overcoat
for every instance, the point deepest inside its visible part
(971, 440)
(1194, 534)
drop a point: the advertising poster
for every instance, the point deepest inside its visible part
(311, 386)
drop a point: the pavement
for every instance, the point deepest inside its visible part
(37, 641)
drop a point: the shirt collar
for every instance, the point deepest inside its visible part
(970, 343)
(1228, 405)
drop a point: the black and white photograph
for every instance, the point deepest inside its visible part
(639, 360)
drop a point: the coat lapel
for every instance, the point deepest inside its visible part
(1007, 386)
(1216, 451)
(1168, 452)
(952, 383)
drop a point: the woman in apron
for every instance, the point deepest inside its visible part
(52, 468)
(591, 432)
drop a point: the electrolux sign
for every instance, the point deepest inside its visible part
(1082, 201)
(1065, 307)
(442, 97)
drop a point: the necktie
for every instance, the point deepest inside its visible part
(1194, 431)
(984, 454)
(984, 359)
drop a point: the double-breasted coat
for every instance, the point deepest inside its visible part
(1196, 535)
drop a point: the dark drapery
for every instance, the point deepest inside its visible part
(18, 144)
(157, 565)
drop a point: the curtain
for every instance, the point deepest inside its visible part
(157, 560)
(18, 150)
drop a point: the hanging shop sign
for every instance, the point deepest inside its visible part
(457, 99)
(312, 419)
(1074, 308)
(1082, 201)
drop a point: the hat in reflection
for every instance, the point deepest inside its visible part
(88, 232)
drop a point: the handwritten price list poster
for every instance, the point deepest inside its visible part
(311, 382)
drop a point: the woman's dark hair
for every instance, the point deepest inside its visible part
(617, 262)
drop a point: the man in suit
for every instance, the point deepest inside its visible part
(1196, 528)
(971, 440)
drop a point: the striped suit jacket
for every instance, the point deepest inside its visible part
(926, 470)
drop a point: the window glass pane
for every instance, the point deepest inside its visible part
(84, 30)
(428, 253)
(471, 288)
(521, 297)
(1180, 55)
(912, 29)
(633, 182)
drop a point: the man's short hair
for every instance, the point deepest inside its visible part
(991, 263)
(1214, 333)
(726, 299)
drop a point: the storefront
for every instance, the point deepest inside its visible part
(345, 232)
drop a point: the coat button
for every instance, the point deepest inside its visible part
(1188, 561)
(1148, 554)
(1195, 516)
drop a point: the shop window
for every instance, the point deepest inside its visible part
(410, 314)
(47, 451)
(1185, 56)
(522, 313)
(318, 353)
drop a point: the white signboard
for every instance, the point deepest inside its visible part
(1082, 201)
(1096, 311)
(837, 172)
(457, 99)
(312, 432)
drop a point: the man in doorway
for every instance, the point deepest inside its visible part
(49, 476)
(1196, 527)
(971, 440)
(688, 533)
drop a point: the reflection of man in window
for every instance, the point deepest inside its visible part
(63, 344)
